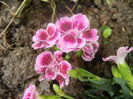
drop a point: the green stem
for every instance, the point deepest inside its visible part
(53, 8)
(22, 6)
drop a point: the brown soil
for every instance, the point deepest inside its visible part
(17, 62)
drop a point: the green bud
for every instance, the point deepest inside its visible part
(106, 31)
(58, 90)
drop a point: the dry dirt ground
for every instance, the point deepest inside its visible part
(17, 58)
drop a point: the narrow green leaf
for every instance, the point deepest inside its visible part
(67, 97)
(125, 89)
(103, 84)
(49, 97)
(73, 73)
(84, 73)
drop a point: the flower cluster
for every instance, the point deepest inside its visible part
(69, 34)
(53, 67)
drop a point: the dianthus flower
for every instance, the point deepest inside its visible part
(30, 93)
(123, 67)
(89, 50)
(75, 32)
(121, 55)
(45, 38)
(53, 67)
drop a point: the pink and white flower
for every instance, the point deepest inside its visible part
(89, 50)
(121, 55)
(30, 93)
(75, 32)
(53, 67)
(45, 38)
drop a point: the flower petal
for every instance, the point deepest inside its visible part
(30, 92)
(64, 24)
(88, 49)
(67, 42)
(88, 57)
(50, 74)
(90, 35)
(111, 58)
(38, 45)
(60, 80)
(42, 77)
(81, 43)
(80, 22)
(66, 80)
(51, 29)
(122, 53)
(95, 46)
(64, 67)
(40, 69)
(44, 59)
(67, 50)
(52, 40)
(41, 35)
(58, 56)
(123, 50)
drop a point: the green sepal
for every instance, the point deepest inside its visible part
(126, 74)
(115, 72)
(67, 57)
(79, 53)
(55, 48)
